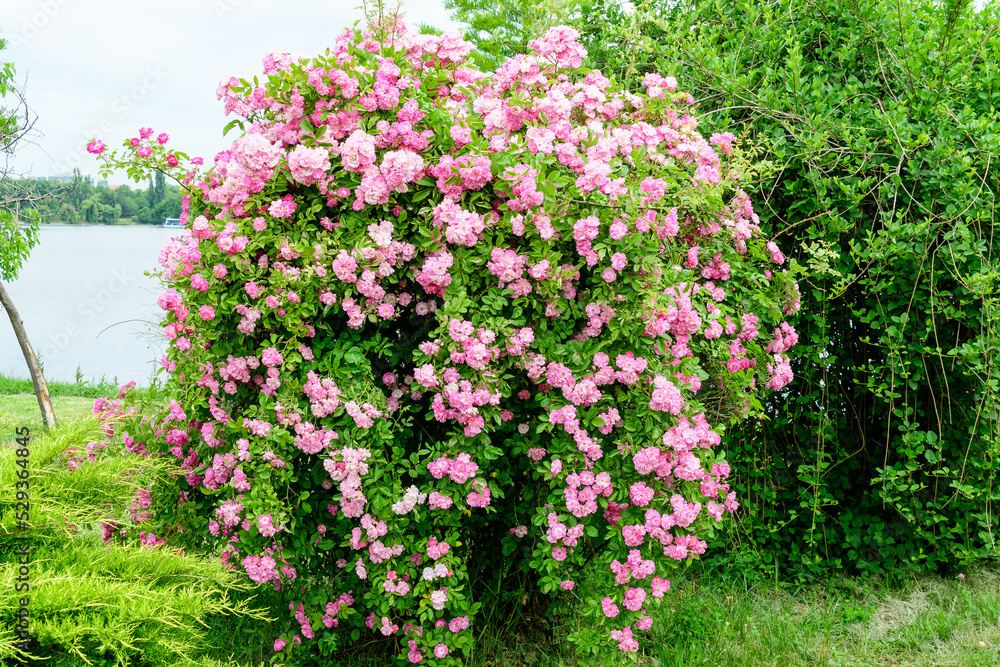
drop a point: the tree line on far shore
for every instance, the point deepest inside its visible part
(81, 202)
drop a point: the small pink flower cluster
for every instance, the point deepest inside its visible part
(393, 584)
(364, 415)
(560, 46)
(725, 143)
(479, 496)
(434, 276)
(582, 491)
(348, 472)
(666, 396)
(334, 608)
(266, 525)
(150, 540)
(229, 513)
(261, 569)
(220, 471)
(308, 165)
(784, 338)
(625, 641)
(459, 470)
(324, 396)
(780, 372)
(139, 509)
(508, 266)
(439, 500)
(634, 567)
(461, 227)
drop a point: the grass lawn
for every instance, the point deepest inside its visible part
(711, 616)
(22, 410)
(87, 389)
(928, 622)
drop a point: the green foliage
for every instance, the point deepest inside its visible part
(16, 240)
(619, 39)
(119, 605)
(881, 121)
(95, 602)
(502, 29)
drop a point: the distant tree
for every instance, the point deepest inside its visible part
(128, 204)
(88, 209)
(170, 207)
(161, 187)
(111, 214)
(156, 190)
(69, 214)
(145, 215)
(106, 196)
(502, 29)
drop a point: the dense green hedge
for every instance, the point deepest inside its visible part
(881, 121)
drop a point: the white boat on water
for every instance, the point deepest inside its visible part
(172, 222)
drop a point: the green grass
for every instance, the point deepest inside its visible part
(721, 616)
(124, 605)
(111, 604)
(717, 618)
(17, 410)
(80, 388)
(70, 401)
(928, 622)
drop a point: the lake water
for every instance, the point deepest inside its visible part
(86, 303)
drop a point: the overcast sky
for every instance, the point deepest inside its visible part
(104, 68)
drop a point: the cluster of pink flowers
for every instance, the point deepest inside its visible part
(220, 471)
(634, 567)
(139, 509)
(261, 569)
(266, 526)
(461, 227)
(308, 165)
(780, 372)
(324, 396)
(509, 267)
(625, 641)
(150, 540)
(459, 470)
(348, 472)
(433, 276)
(439, 500)
(582, 491)
(229, 513)
(479, 496)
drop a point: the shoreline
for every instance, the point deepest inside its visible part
(91, 224)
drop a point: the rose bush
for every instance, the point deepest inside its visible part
(421, 313)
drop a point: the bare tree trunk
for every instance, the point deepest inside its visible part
(41, 389)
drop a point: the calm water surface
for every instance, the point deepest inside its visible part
(85, 303)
